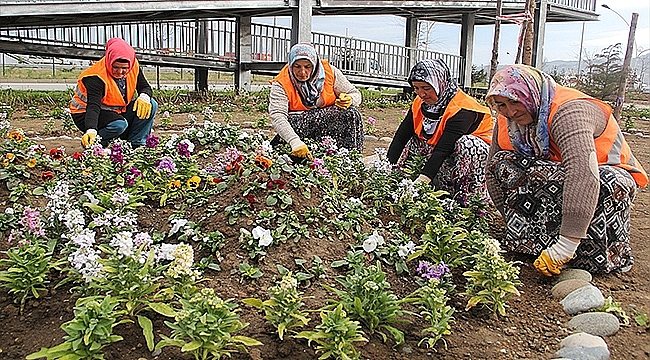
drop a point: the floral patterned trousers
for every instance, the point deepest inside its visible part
(344, 126)
(533, 211)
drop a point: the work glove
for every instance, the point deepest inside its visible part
(300, 149)
(142, 106)
(344, 101)
(88, 138)
(550, 262)
(422, 179)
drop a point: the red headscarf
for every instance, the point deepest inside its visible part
(117, 48)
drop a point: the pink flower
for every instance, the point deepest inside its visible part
(371, 120)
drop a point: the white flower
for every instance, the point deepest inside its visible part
(190, 145)
(93, 200)
(262, 235)
(123, 241)
(120, 197)
(165, 251)
(378, 238)
(370, 245)
(177, 225)
(9, 211)
(406, 250)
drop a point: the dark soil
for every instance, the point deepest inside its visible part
(532, 328)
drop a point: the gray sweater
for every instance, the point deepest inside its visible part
(574, 127)
(279, 103)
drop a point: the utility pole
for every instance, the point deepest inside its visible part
(529, 35)
(494, 63)
(620, 97)
(582, 37)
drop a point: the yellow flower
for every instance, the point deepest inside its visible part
(31, 163)
(16, 136)
(193, 182)
(174, 184)
(10, 156)
(87, 171)
(5, 162)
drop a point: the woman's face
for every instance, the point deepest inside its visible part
(119, 69)
(511, 109)
(302, 69)
(425, 92)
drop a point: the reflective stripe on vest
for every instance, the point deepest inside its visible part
(112, 100)
(611, 146)
(295, 103)
(460, 101)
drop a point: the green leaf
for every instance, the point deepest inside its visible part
(248, 341)
(95, 208)
(256, 303)
(147, 330)
(271, 200)
(38, 191)
(162, 309)
(191, 346)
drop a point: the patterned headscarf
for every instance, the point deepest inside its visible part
(437, 74)
(117, 48)
(535, 90)
(309, 90)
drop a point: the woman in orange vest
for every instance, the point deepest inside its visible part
(104, 101)
(311, 99)
(447, 126)
(561, 174)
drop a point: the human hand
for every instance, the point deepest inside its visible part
(88, 138)
(142, 106)
(344, 101)
(422, 179)
(300, 149)
(550, 261)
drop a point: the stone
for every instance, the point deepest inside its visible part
(583, 339)
(583, 299)
(386, 139)
(595, 323)
(370, 138)
(564, 288)
(584, 353)
(568, 274)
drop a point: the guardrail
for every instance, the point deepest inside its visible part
(271, 44)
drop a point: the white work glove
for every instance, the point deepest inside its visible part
(551, 260)
(422, 179)
(300, 149)
(142, 106)
(89, 138)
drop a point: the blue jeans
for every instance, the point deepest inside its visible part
(130, 127)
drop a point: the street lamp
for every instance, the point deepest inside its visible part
(620, 97)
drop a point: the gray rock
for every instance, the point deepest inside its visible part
(583, 299)
(584, 353)
(568, 274)
(370, 138)
(564, 288)
(583, 339)
(386, 139)
(595, 323)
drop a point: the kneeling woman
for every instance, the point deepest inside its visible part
(311, 99)
(449, 127)
(561, 174)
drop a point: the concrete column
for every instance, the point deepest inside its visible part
(244, 50)
(540, 33)
(301, 22)
(467, 49)
(201, 74)
(411, 40)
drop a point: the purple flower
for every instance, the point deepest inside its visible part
(429, 271)
(166, 165)
(152, 141)
(183, 149)
(117, 155)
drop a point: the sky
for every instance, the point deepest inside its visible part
(562, 41)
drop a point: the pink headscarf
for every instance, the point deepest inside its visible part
(117, 48)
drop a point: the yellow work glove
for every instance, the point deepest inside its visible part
(344, 101)
(550, 262)
(300, 149)
(142, 106)
(88, 138)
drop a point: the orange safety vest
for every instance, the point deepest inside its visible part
(611, 147)
(112, 100)
(295, 103)
(459, 102)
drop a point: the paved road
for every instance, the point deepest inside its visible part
(50, 86)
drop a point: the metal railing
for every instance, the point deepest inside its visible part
(269, 44)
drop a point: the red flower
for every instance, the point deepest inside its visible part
(217, 180)
(271, 183)
(47, 176)
(234, 168)
(78, 156)
(251, 199)
(56, 154)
